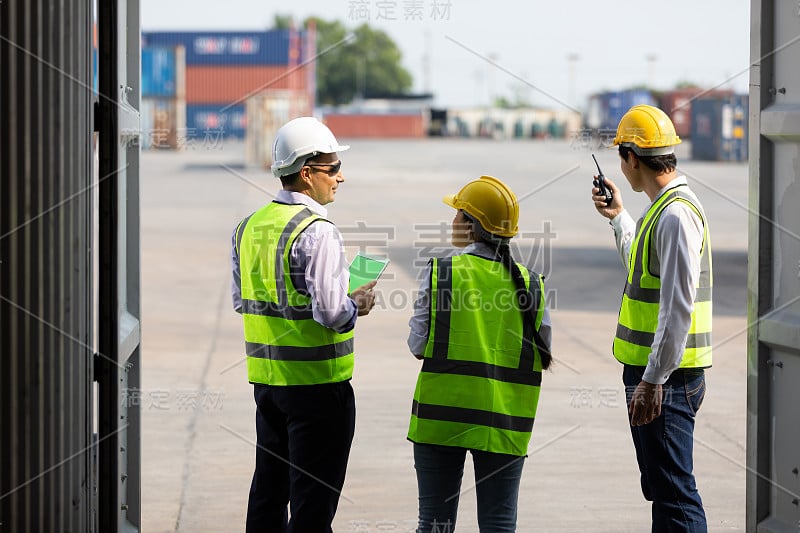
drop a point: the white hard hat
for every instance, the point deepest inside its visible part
(298, 140)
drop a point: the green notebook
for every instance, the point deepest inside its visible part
(364, 269)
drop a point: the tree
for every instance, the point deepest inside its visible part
(282, 21)
(685, 84)
(364, 63)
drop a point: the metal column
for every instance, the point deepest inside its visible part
(118, 365)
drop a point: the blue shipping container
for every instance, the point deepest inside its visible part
(618, 103)
(228, 48)
(719, 128)
(158, 72)
(213, 120)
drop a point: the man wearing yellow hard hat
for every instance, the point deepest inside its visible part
(663, 336)
(482, 330)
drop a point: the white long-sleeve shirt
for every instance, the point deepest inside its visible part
(678, 241)
(419, 323)
(318, 252)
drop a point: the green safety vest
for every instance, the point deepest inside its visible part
(284, 344)
(638, 314)
(479, 384)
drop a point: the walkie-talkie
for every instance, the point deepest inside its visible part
(600, 183)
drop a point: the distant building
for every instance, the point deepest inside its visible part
(381, 116)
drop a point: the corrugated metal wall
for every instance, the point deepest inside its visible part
(45, 266)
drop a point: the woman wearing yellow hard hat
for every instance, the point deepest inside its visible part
(481, 327)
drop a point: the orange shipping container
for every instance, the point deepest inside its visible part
(232, 84)
(377, 126)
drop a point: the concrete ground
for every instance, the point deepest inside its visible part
(581, 475)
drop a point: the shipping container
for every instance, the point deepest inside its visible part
(94, 71)
(385, 126)
(596, 111)
(719, 128)
(773, 317)
(163, 72)
(234, 84)
(308, 58)
(620, 102)
(163, 123)
(233, 48)
(48, 277)
(437, 126)
(94, 58)
(606, 109)
(266, 112)
(678, 105)
(215, 121)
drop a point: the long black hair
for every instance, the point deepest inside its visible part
(525, 297)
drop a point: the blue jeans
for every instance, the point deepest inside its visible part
(664, 451)
(439, 473)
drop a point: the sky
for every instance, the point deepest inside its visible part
(551, 54)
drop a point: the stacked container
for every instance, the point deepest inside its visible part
(719, 128)
(265, 113)
(163, 107)
(678, 105)
(223, 69)
(606, 109)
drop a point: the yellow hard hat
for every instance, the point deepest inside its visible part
(647, 131)
(489, 201)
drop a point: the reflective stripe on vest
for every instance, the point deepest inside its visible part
(480, 378)
(284, 344)
(638, 314)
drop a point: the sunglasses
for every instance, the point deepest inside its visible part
(333, 169)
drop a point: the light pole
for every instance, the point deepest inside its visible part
(493, 57)
(651, 70)
(571, 60)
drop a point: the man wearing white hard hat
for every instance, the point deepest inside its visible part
(290, 283)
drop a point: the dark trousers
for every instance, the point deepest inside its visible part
(304, 435)
(664, 452)
(439, 473)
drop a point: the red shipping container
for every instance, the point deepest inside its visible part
(377, 126)
(232, 84)
(678, 105)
